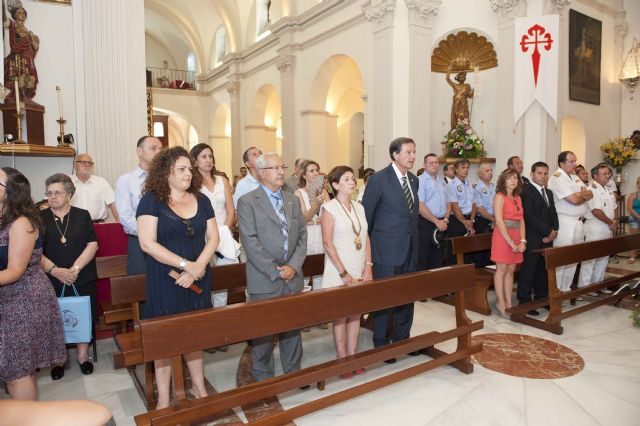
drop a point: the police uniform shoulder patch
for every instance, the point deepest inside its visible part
(557, 174)
(484, 190)
(593, 185)
(459, 188)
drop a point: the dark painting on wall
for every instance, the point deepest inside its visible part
(585, 43)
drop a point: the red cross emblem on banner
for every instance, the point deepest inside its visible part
(538, 37)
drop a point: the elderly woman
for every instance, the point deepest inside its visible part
(178, 232)
(69, 249)
(30, 324)
(348, 259)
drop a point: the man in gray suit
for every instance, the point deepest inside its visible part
(274, 235)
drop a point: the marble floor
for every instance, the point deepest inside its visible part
(605, 392)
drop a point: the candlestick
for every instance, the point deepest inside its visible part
(16, 88)
(59, 92)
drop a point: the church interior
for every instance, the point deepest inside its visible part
(336, 81)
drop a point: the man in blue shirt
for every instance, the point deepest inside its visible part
(434, 210)
(128, 192)
(483, 193)
(463, 209)
(251, 180)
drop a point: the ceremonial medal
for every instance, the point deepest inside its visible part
(357, 242)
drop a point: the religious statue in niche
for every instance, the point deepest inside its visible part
(20, 63)
(462, 92)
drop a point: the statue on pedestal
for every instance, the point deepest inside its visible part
(20, 63)
(462, 92)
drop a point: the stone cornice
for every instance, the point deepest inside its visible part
(552, 7)
(424, 9)
(507, 10)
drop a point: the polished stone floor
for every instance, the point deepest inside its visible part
(605, 392)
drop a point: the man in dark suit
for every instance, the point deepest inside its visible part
(516, 164)
(391, 206)
(541, 221)
(274, 236)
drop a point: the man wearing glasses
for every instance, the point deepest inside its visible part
(93, 193)
(273, 232)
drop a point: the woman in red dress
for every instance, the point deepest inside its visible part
(508, 241)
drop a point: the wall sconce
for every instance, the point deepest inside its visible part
(630, 74)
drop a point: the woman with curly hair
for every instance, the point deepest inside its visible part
(178, 232)
(508, 241)
(31, 334)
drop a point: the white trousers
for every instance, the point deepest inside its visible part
(592, 271)
(570, 232)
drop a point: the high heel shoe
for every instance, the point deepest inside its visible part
(501, 313)
(192, 394)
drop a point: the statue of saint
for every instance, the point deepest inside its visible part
(20, 64)
(461, 94)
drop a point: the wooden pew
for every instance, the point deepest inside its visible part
(172, 336)
(110, 267)
(475, 297)
(567, 255)
(130, 290)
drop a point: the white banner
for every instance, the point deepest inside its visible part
(536, 64)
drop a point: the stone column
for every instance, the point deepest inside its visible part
(380, 15)
(111, 64)
(421, 14)
(510, 135)
(233, 87)
(286, 66)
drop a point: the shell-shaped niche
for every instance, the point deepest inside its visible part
(463, 51)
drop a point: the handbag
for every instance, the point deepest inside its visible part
(75, 312)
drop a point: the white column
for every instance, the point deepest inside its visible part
(233, 87)
(381, 16)
(114, 81)
(316, 121)
(510, 135)
(286, 66)
(421, 13)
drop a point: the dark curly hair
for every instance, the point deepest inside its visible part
(162, 166)
(196, 150)
(17, 201)
(501, 185)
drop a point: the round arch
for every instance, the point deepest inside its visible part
(181, 131)
(326, 76)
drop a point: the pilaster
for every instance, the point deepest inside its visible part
(286, 65)
(233, 88)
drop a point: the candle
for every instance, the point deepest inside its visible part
(59, 101)
(17, 90)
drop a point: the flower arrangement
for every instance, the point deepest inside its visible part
(619, 152)
(463, 142)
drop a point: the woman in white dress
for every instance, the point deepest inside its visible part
(218, 190)
(348, 253)
(312, 196)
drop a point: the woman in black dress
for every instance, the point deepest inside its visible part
(70, 246)
(177, 231)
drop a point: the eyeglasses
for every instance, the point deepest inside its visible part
(85, 163)
(277, 168)
(190, 231)
(54, 194)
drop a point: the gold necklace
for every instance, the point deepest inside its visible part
(63, 239)
(356, 241)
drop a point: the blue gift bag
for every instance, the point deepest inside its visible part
(75, 312)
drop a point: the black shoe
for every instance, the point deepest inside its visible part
(390, 361)
(423, 300)
(305, 387)
(86, 368)
(533, 313)
(415, 353)
(57, 372)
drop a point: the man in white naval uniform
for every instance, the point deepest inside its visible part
(570, 195)
(602, 219)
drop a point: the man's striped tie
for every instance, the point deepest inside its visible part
(283, 221)
(407, 192)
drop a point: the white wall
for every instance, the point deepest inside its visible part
(156, 53)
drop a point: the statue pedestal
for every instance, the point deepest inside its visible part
(32, 121)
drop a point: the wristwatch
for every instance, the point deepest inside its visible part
(182, 264)
(343, 274)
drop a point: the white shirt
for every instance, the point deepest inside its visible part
(95, 195)
(562, 185)
(603, 199)
(400, 176)
(128, 193)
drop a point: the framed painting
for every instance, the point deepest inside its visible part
(585, 44)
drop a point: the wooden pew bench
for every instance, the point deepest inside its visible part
(172, 336)
(560, 256)
(475, 297)
(130, 291)
(110, 267)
